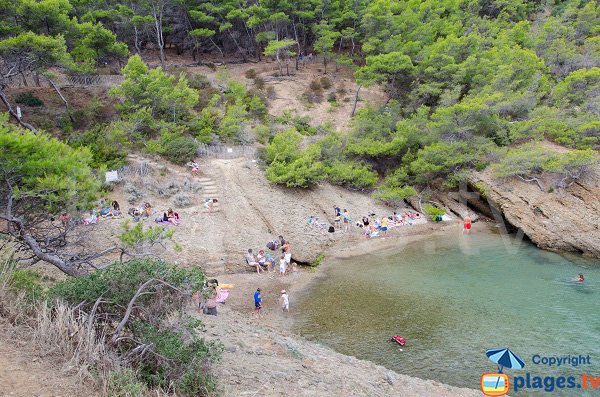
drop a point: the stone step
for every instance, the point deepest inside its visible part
(204, 180)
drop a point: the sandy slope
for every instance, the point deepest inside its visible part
(259, 361)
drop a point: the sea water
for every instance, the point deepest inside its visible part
(453, 297)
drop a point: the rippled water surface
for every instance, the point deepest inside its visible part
(452, 297)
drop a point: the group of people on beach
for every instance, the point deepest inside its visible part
(265, 262)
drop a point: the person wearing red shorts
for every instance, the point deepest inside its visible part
(467, 224)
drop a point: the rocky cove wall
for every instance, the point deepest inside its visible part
(561, 220)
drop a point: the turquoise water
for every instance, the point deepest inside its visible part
(453, 297)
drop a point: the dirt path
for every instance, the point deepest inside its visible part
(25, 374)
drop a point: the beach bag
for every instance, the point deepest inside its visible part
(273, 245)
(331, 229)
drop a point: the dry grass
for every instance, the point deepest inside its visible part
(59, 334)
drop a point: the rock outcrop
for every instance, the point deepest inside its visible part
(562, 220)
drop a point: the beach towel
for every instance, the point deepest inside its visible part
(160, 221)
(222, 295)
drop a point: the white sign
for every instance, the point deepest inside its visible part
(229, 150)
(19, 115)
(111, 176)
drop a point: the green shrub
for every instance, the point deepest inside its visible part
(318, 260)
(180, 150)
(395, 195)
(124, 383)
(176, 359)
(28, 99)
(350, 174)
(433, 211)
(29, 282)
(250, 74)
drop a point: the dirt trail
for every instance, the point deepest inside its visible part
(25, 374)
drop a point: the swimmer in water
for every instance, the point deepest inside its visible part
(581, 279)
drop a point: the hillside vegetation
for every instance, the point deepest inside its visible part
(468, 82)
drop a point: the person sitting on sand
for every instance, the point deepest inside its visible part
(263, 261)
(251, 260)
(385, 224)
(115, 205)
(147, 209)
(365, 221)
(210, 306)
(92, 219)
(64, 218)
(171, 216)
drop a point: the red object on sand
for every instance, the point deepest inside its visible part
(401, 341)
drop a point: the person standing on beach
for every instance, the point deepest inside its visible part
(347, 220)
(285, 301)
(287, 252)
(338, 216)
(282, 265)
(467, 224)
(257, 302)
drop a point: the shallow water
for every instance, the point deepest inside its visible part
(453, 297)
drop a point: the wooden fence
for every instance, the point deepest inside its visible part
(67, 81)
(227, 152)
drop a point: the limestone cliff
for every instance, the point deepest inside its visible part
(562, 220)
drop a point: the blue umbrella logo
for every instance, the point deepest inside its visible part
(505, 358)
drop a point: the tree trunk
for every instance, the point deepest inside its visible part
(355, 101)
(137, 40)
(160, 41)
(14, 114)
(61, 97)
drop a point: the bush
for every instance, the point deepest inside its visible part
(250, 74)
(352, 175)
(182, 200)
(315, 86)
(124, 383)
(134, 193)
(28, 99)
(271, 94)
(175, 358)
(331, 97)
(395, 195)
(29, 282)
(259, 83)
(180, 149)
(433, 211)
(325, 83)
